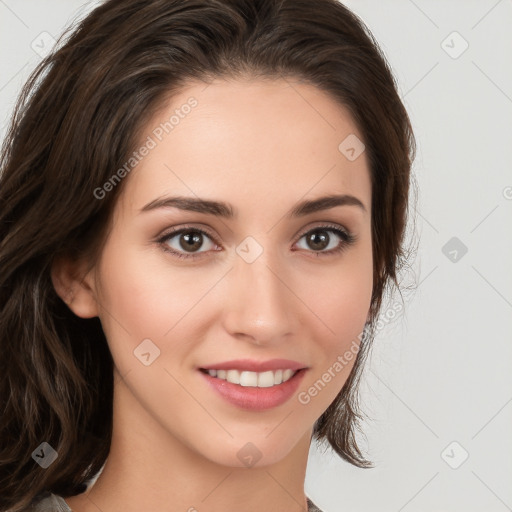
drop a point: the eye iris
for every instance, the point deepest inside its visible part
(193, 240)
(318, 240)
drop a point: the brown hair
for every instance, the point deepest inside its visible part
(76, 121)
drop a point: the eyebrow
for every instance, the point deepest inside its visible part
(225, 210)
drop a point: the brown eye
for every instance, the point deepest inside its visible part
(326, 239)
(318, 240)
(187, 242)
(190, 241)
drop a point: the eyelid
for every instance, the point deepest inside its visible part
(186, 227)
(326, 226)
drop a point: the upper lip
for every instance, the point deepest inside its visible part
(255, 366)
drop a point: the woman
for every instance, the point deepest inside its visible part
(203, 203)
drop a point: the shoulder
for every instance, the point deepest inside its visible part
(50, 503)
(312, 507)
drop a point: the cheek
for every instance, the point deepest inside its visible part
(136, 295)
(143, 297)
(341, 298)
(342, 304)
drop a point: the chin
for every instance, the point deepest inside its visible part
(251, 450)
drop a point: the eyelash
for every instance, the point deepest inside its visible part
(347, 240)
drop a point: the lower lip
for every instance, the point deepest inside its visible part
(253, 398)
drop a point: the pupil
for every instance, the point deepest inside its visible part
(192, 241)
(318, 240)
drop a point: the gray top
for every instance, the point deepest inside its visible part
(54, 503)
(51, 503)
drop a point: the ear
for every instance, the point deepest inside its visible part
(75, 287)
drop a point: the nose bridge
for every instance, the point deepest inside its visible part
(260, 305)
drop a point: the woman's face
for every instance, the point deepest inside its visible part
(239, 273)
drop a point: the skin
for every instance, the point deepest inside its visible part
(262, 146)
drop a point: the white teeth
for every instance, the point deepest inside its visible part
(233, 376)
(287, 374)
(253, 379)
(248, 379)
(266, 379)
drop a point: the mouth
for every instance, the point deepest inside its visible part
(254, 390)
(251, 379)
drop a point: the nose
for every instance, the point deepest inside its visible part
(259, 303)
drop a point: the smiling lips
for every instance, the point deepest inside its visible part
(255, 385)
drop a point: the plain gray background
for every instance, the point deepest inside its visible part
(438, 387)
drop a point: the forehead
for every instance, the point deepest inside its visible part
(252, 139)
